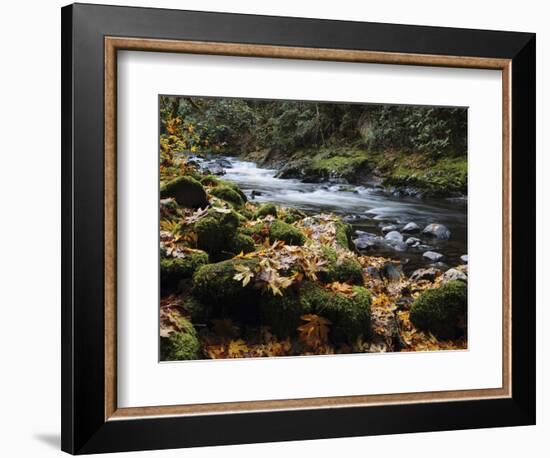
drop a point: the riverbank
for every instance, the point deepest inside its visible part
(406, 174)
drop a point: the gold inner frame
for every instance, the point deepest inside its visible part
(114, 44)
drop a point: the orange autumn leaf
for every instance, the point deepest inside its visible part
(314, 332)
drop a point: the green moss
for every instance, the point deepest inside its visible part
(213, 284)
(210, 180)
(266, 209)
(199, 312)
(344, 234)
(187, 192)
(236, 188)
(172, 270)
(241, 243)
(183, 345)
(228, 194)
(291, 215)
(282, 313)
(346, 270)
(215, 231)
(441, 310)
(279, 230)
(350, 315)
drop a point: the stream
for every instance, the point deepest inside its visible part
(368, 210)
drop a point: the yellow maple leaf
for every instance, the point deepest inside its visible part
(237, 348)
(314, 333)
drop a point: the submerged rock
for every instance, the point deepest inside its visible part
(411, 227)
(433, 256)
(389, 228)
(438, 231)
(413, 242)
(394, 236)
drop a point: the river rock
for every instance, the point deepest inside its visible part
(394, 236)
(373, 273)
(413, 242)
(411, 227)
(187, 192)
(398, 246)
(423, 247)
(392, 272)
(389, 228)
(430, 274)
(454, 274)
(439, 231)
(366, 240)
(433, 256)
(464, 258)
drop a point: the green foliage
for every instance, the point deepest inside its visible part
(279, 230)
(441, 310)
(183, 345)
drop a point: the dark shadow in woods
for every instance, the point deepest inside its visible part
(50, 439)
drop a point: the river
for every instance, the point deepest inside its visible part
(366, 209)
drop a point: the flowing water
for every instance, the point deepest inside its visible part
(366, 209)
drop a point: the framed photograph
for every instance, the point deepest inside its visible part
(280, 228)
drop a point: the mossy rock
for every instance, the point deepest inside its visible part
(279, 230)
(172, 270)
(344, 233)
(214, 285)
(291, 215)
(199, 312)
(241, 243)
(216, 230)
(210, 180)
(187, 192)
(349, 315)
(282, 313)
(182, 345)
(441, 310)
(228, 194)
(266, 209)
(236, 188)
(347, 270)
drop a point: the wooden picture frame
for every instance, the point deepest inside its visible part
(91, 419)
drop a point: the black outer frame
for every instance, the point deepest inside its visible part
(84, 429)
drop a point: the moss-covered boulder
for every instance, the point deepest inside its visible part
(282, 313)
(349, 314)
(291, 215)
(343, 270)
(181, 345)
(441, 311)
(228, 194)
(172, 270)
(199, 312)
(187, 192)
(214, 285)
(210, 180)
(215, 231)
(266, 209)
(241, 243)
(279, 230)
(344, 233)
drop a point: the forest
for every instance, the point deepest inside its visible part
(294, 228)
